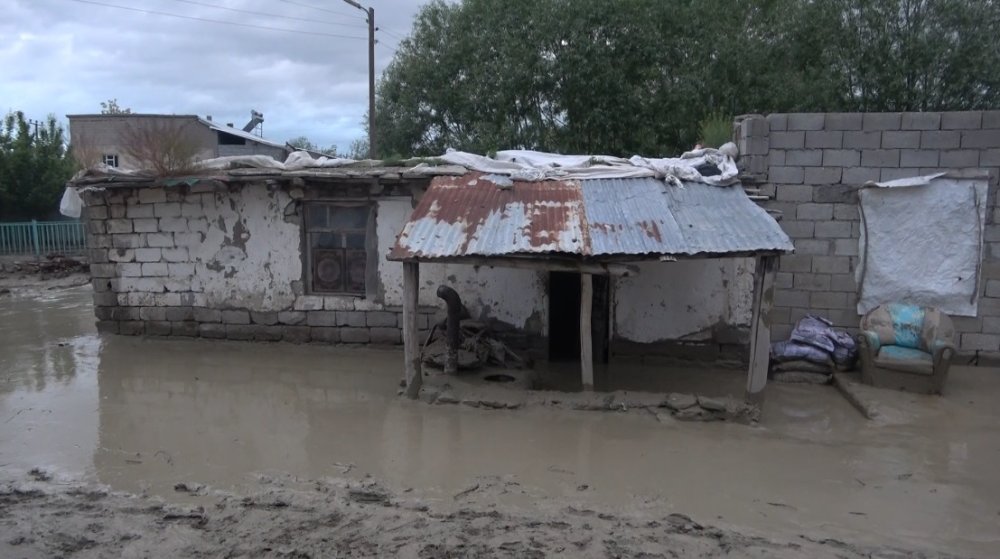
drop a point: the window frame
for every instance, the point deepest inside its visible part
(113, 157)
(370, 246)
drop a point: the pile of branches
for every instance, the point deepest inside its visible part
(54, 265)
(479, 347)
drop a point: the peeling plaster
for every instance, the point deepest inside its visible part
(256, 265)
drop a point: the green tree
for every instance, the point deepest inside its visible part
(358, 149)
(302, 142)
(34, 167)
(111, 107)
(637, 76)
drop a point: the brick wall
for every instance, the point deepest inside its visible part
(810, 163)
(149, 280)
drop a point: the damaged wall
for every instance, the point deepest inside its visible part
(687, 300)
(248, 254)
(811, 164)
(211, 261)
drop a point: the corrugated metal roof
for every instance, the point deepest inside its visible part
(472, 215)
(241, 134)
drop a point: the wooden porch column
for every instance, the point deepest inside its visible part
(760, 327)
(411, 345)
(586, 343)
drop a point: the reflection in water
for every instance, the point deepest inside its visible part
(144, 414)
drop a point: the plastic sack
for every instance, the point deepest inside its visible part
(792, 351)
(71, 205)
(814, 339)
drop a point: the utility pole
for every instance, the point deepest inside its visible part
(36, 124)
(371, 75)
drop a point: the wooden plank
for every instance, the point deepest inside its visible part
(586, 342)
(541, 264)
(760, 330)
(411, 345)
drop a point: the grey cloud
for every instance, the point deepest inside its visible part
(64, 57)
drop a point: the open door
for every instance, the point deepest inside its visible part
(564, 316)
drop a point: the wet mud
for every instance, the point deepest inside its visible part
(140, 416)
(333, 518)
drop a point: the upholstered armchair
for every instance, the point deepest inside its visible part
(906, 347)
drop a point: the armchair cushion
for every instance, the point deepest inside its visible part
(906, 359)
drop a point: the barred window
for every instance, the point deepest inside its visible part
(337, 241)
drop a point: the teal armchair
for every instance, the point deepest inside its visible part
(906, 347)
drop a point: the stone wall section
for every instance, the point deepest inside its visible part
(146, 282)
(810, 166)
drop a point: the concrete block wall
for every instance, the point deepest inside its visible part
(810, 164)
(149, 279)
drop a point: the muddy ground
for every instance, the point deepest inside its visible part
(333, 518)
(295, 451)
(26, 274)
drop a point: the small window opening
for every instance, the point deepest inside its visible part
(337, 247)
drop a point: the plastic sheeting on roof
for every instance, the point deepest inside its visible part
(526, 165)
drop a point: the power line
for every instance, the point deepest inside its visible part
(266, 14)
(250, 25)
(392, 33)
(310, 6)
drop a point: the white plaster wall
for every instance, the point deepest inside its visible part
(682, 300)
(250, 255)
(511, 295)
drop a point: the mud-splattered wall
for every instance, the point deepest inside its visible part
(225, 262)
(513, 296)
(688, 300)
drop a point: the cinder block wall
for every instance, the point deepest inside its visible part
(810, 163)
(148, 280)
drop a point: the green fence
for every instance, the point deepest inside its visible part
(41, 238)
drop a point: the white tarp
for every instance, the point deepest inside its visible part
(534, 165)
(524, 165)
(922, 242)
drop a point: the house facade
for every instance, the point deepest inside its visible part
(299, 256)
(102, 138)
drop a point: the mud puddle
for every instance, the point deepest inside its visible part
(144, 415)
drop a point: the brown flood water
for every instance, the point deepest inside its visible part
(142, 415)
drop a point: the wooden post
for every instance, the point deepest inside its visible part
(586, 343)
(411, 345)
(760, 328)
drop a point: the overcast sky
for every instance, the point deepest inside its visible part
(66, 56)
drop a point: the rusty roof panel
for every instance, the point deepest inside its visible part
(483, 215)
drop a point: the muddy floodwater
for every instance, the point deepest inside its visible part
(142, 415)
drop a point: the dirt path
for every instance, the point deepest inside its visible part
(40, 517)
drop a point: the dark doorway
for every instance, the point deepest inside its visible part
(564, 317)
(600, 322)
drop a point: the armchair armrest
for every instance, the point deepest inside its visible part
(942, 350)
(869, 340)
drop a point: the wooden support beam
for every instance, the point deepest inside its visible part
(411, 344)
(542, 264)
(586, 343)
(760, 329)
